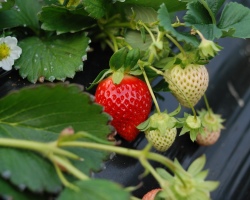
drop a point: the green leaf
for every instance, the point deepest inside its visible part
(39, 114)
(165, 175)
(102, 75)
(235, 16)
(215, 6)
(132, 58)
(6, 5)
(62, 20)
(27, 169)
(95, 8)
(165, 22)
(172, 5)
(8, 191)
(55, 58)
(117, 60)
(144, 14)
(94, 189)
(198, 17)
(136, 41)
(21, 15)
(197, 165)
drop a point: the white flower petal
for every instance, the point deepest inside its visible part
(6, 64)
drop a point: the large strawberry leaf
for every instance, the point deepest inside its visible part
(165, 22)
(54, 58)
(88, 191)
(95, 8)
(39, 114)
(5, 5)
(62, 20)
(237, 17)
(21, 15)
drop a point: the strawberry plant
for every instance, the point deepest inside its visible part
(54, 136)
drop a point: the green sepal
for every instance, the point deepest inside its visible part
(103, 74)
(117, 60)
(131, 59)
(212, 122)
(117, 76)
(190, 124)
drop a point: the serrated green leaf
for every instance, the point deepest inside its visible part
(94, 189)
(54, 58)
(62, 20)
(8, 191)
(198, 17)
(95, 8)
(21, 15)
(235, 16)
(172, 5)
(197, 165)
(6, 5)
(165, 22)
(214, 5)
(27, 169)
(40, 113)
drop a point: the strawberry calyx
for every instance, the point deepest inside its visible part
(121, 62)
(191, 124)
(190, 184)
(160, 121)
(212, 122)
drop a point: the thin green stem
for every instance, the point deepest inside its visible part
(123, 151)
(207, 104)
(68, 166)
(64, 181)
(119, 25)
(204, 3)
(164, 184)
(176, 44)
(39, 147)
(113, 39)
(150, 90)
(149, 31)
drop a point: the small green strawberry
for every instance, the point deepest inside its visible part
(161, 142)
(212, 127)
(160, 129)
(188, 83)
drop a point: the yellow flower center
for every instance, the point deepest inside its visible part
(4, 51)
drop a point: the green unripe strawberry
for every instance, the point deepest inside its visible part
(187, 84)
(160, 129)
(161, 142)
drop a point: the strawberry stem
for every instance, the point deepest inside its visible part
(176, 44)
(64, 181)
(207, 104)
(150, 90)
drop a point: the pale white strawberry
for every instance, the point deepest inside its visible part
(161, 142)
(187, 83)
(209, 138)
(212, 124)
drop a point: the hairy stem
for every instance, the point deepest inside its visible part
(204, 3)
(176, 44)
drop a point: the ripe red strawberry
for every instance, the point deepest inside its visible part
(129, 103)
(189, 82)
(209, 138)
(161, 142)
(151, 194)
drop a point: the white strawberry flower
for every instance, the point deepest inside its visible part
(9, 52)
